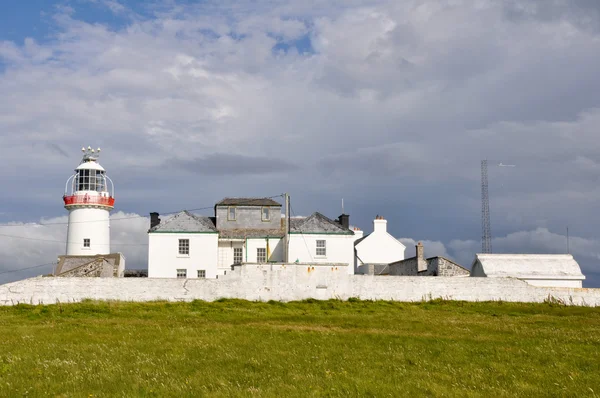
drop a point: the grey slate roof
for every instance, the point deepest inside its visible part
(317, 223)
(248, 202)
(185, 221)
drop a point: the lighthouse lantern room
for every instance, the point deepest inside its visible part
(89, 198)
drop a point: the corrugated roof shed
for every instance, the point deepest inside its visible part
(527, 266)
(185, 221)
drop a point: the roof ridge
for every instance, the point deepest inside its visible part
(204, 221)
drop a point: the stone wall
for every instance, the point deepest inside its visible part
(408, 267)
(445, 267)
(436, 266)
(287, 282)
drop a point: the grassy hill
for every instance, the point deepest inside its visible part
(331, 348)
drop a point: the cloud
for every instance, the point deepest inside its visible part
(26, 245)
(220, 164)
(392, 107)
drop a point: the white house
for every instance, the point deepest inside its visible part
(550, 270)
(184, 246)
(243, 230)
(378, 248)
(318, 239)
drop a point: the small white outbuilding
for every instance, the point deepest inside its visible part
(548, 270)
(378, 248)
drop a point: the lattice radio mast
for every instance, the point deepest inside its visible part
(486, 229)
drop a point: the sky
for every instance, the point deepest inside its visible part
(389, 105)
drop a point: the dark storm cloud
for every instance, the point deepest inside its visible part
(222, 164)
(583, 13)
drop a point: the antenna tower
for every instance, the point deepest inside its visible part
(486, 230)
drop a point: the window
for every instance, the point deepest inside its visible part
(261, 255)
(181, 273)
(86, 242)
(184, 247)
(265, 214)
(237, 255)
(201, 273)
(321, 248)
(231, 214)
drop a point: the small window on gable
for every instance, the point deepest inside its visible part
(184, 247)
(201, 273)
(86, 242)
(265, 214)
(231, 214)
(181, 273)
(321, 248)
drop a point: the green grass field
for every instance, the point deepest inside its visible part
(331, 348)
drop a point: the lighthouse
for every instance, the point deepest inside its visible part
(89, 198)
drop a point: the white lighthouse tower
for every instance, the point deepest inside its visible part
(89, 198)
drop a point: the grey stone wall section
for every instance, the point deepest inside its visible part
(448, 268)
(286, 283)
(408, 267)
(248, 217)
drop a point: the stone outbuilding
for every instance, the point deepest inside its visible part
(421, 266)
(548, 270)
(98, 266)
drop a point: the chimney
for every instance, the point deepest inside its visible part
(379, 224)
(154, 220)
(420, 255)
(357, 233)
(344, 220)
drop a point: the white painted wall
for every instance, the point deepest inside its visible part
(340, 249)
(88, 223)
(164, 258)
(286, 282)
(554, 282)
(379, 247)
(275, 247)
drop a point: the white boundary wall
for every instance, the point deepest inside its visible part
(286, 283)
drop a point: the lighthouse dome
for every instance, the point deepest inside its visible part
(91, 165)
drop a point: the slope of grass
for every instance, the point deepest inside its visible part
(312, 348)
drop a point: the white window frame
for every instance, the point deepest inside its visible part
(181, 273)
(321, 248)
(241, 255)
(261, 252)
(229, 218)
(262, 213)
(89, 243)
(201, 273)
(183, 248)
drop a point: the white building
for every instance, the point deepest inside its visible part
(379, 248)
(550, 270)
(318, 239)
(244, 230)
(184, 246)
(89, 198)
